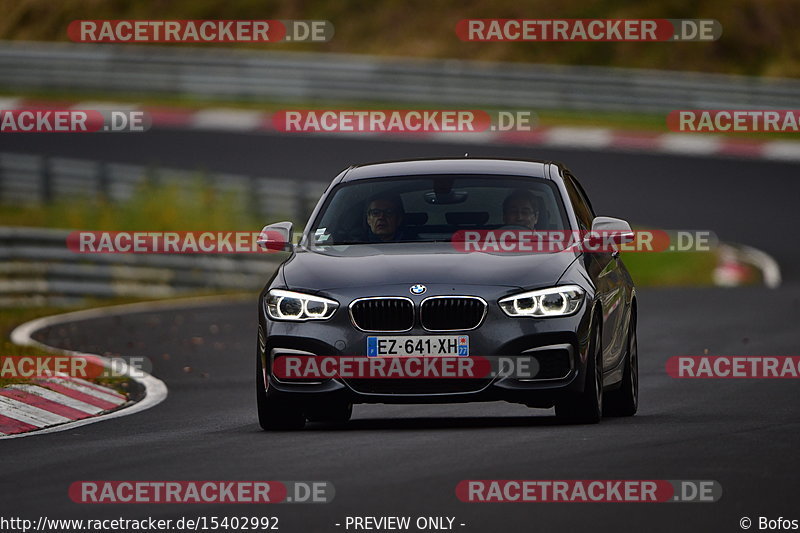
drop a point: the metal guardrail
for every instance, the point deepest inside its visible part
(37, 268)
(30, 179)
(250, 75)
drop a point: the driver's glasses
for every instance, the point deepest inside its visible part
(377, 213)
(524, 212)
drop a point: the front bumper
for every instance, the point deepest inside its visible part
(559, 345)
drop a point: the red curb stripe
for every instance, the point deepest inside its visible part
(72, 393)
(43, 403)
(10, 426)
(170, 118)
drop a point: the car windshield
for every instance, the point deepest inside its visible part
(435, 208)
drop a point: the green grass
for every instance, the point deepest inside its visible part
(167, 207)
(671, 269)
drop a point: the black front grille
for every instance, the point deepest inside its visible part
(452, 314)
(383, 314)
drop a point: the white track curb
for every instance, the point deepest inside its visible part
(155, 389)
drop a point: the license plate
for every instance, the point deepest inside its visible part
(428, 345)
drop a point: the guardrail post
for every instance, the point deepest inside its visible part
(254, 199)
(103, 181)
(46, 178)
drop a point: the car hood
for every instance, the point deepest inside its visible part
(364, 265)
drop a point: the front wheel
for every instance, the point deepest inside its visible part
(586, 407)
(625, 400)
(276, 412)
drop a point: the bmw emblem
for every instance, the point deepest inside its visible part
(418, 289)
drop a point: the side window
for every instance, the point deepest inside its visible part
(583, 194)
(579, 203)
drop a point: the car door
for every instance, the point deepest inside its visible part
(604, 269)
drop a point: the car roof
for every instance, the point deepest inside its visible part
(465, 165)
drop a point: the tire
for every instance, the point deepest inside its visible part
(586, 407)
(625, 400)
(334, 413)
(276, 412)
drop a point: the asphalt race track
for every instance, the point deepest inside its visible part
(407, 460)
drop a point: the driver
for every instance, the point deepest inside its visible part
(385, 215)
(520, 208)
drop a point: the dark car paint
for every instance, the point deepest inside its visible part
(367, 265)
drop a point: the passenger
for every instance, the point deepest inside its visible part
(520, 208)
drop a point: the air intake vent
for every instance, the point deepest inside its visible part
(449, 313)
(383, 314)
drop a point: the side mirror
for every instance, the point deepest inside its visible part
(276, 237)
(605, 229)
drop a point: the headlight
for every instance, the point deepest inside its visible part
(288, 305)
(556, 301)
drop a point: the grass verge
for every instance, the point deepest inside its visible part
(193, 205)
(671, 269)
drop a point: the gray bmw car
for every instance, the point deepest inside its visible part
(448, 264)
